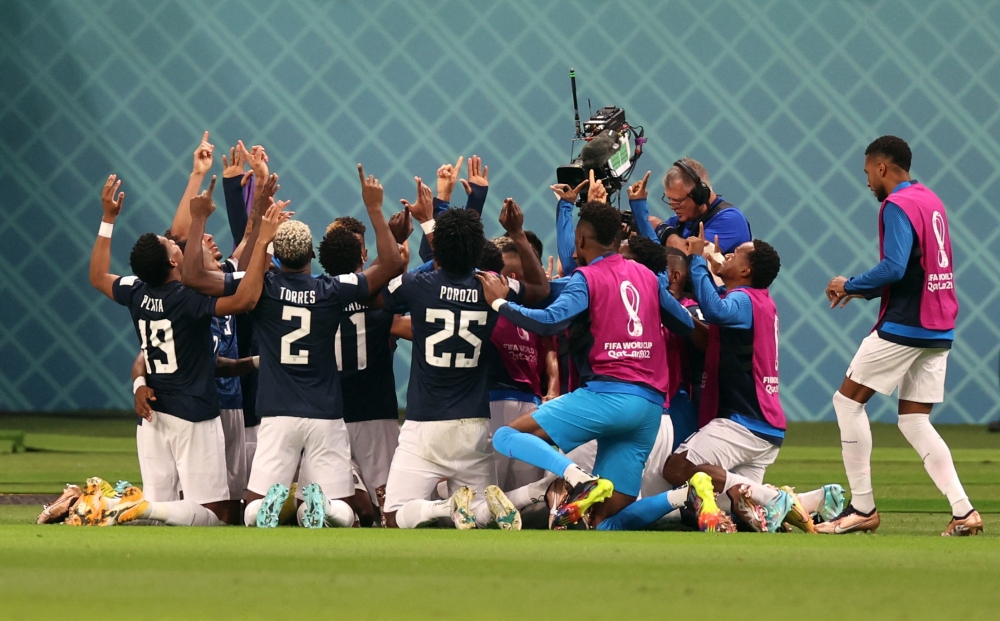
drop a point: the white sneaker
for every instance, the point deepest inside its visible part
(504, 513)
(461, 509)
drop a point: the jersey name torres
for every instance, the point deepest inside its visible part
(295, 326)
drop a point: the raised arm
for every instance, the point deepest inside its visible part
(389, 263)
(536, 285)
(638, 202)
(565, 230)
(422, 211)
(247, 294)
(477, 186)
(202, 164)
(262, 200)
(100, 257)
(234, 178)
(194, 274)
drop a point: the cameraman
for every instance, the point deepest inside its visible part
(693, 201)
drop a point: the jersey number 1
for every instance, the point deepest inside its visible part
(358, 319)
(465, 318)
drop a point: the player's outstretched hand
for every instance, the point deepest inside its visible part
(203, 157)
(143, 395)
(371, 190)
(637, 191)
(494, 287)
(696, 244)
(447, 177)
(478, 174)
(401, 225)
(275, 217)
(597, 191)
(511, 217)
(423, 209)
(256, 158)
(111, 204)
(566, 192)
(202, 204)
(837, 294)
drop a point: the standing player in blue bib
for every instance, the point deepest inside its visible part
(299, 397)
(446, 433)
(173, 324)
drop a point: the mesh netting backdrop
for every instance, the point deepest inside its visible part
(778, 99)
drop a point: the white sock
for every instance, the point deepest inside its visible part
(856, 447)
(759, 493)
(416, 513)
(529, 494)
(812, 501)
(250, 513)
(339, 514)
(677, 497)
(181, 513)
(576, 475)
(920, 433)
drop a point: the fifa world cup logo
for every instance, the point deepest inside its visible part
(630, 298)
(937, 221)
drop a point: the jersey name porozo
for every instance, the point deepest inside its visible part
(454, 294)
(298, 297)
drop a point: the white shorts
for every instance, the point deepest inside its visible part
(511, 473)
(181, 455)
(730, 446)
(323, 446)
(456, 450)
(373, 443)
(250, 436)
(883, 366)
(236, 451)
(653, 482)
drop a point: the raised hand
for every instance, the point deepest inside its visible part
(202, 205)
(550, 271)
(401, 225)
(111, 204)
(263, 194)
(422, 209)
(696, 244)
(371, 190)
(493, 287)
(597, 191)
(275, 217)
(637, 190)
(256, 158)
(235, 165)
(478, 174)
(203, 157)
(447, 177)
(511, 217)
(568, 193)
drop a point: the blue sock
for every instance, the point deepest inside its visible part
(530, 449)
(639, 514)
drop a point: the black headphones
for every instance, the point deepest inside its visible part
(701, 192)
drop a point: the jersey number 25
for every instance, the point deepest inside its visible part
(465, 318)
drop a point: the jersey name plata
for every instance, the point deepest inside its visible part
(298, 297)
(154, 305)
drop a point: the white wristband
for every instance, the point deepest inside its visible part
(256, 362)
(139, 381)
(270, 249)
(105, 230)
(498, 304)
(428, 227)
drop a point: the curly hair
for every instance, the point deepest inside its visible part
(535, 243)
(893, 149)
(458, 240)
(491, 259)
(293, 244)
(351, 224)
(605, 220)
(149, 260)
(340, 251)
(765, 263)
(649, 253)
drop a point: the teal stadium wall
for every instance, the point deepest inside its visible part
(777, 98)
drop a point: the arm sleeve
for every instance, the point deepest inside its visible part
(732, 311)
(198, 305)
(236, 208)
(897, 245)
(565, 236)
(348, 288)
(675, 317)
(477, 200)
(123, 288)
(640, 210)
(423, 268)
(516, 291)
(574, 299)
(731, 227)
(394, 294)
(232, 283)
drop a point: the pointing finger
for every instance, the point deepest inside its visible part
(645, 180)
(361, 173)
(211, 187)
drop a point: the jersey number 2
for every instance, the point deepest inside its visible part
(465, 318)
(304, 316)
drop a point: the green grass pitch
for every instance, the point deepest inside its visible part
(905, 571)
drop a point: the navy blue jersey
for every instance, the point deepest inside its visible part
(452, 323)
(295, 326)
(173, 324)
(364, 359)
(224, 336)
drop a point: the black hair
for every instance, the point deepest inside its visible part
(765, 263)
(491, 259)
(351, 224)
(181, 243)
(535, 243)
(340, 251)
(149, 260)
(670, 251)
(649, 253)
(458, 240)
(605, 220)
(893, 149)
